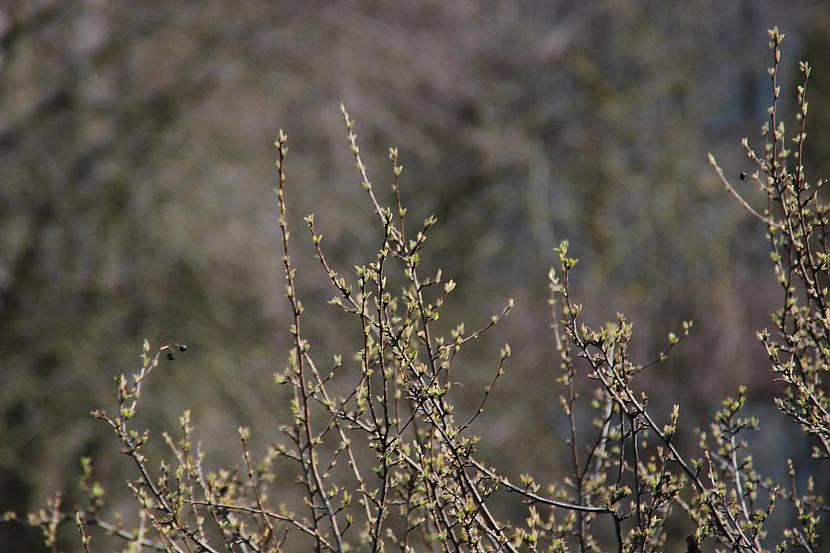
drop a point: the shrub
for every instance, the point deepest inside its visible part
(391, 461)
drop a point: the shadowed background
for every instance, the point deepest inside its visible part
(136, 167)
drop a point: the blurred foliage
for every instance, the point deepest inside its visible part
(136, 165)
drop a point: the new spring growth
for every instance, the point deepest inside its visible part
(567, 262)
(671, 428)
(396, 168)
(424, 463)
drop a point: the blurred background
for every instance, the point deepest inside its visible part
(136, 168)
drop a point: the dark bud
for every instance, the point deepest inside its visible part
(742, 176)
(170, 356)
(182, 348)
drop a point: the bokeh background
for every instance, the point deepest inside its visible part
(136, 168)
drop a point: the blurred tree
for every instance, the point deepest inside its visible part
(136, 158)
